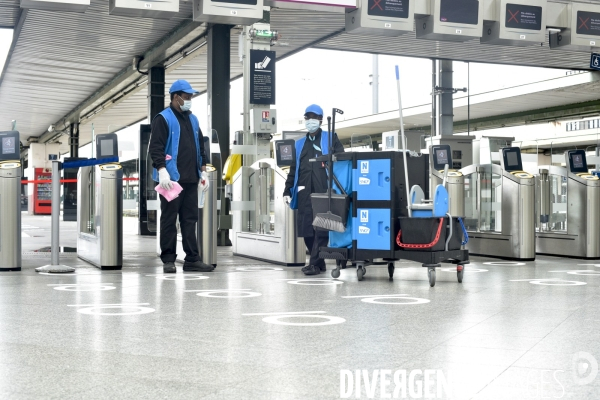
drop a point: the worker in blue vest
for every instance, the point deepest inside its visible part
(310, 177)
(178, 155)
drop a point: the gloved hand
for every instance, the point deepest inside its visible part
(164, 179)
(287, 200)
(204, 181)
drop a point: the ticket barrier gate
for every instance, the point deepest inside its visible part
(10, 202)
(207, 226)
(568, 209)
(264, 228)
(100, 209)
(439, 157)
(499, 208)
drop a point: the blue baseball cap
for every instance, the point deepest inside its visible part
(181, 85)
(315, 109)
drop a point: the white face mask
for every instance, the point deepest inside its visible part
(186, 106)
(312, 125)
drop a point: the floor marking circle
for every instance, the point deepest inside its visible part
(513, 263)
(412, 300)
(84, 287)
(582, 272)
(277, 320)
(228, 294)
(315, 282)
(183, 277)
(551, 282)
(466, 269)
(97, 309)
(251, 269)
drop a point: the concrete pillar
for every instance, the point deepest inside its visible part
(446, 112)
(219, 77)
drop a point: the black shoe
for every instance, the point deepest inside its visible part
(197, 266)
(323, 268)
(305, 268)
(169, 268)
(312, 270)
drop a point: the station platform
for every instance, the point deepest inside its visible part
(251, 330)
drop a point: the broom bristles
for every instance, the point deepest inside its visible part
(329, 222)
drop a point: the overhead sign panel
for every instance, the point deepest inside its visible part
(314, 5)
(234, 12)
(452, 20)
(57, 5)
(583, 33)
(520, 23)
(143, 8)
(381, 17)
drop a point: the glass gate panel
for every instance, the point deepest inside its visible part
(558, 198)
(471, 219)
(491, 200)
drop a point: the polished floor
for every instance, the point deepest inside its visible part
(251, 330)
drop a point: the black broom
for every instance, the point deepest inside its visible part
(329, 221)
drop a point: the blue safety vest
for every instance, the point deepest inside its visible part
(172, 147)
(299, 146)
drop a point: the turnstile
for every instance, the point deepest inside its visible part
(100, 209)
(568, 209)
(207, 226)
(499, 208)
(10, 202)
(264, 228)
(439, 157)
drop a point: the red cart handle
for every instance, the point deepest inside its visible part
(421, 246)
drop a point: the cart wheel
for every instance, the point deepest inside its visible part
(460, 271)
(391, 270)
(360, 272)
(335, 273)
(431, 275)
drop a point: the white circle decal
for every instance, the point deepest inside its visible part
(403, 300)
(82, 287)
(228, 294)
(128, 309)
(182, 277)
(466, 269)
(329, 320)
(315, 282)
(584, 272)
(513, 263)
(250, 269)
(551, 282)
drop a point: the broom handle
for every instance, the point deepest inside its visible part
(408, 200)
(330, 161)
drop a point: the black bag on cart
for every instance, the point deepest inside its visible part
(429, 234)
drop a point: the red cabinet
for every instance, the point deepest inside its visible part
(42, 192)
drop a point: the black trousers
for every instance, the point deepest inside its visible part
(186, 207)
(313, 243)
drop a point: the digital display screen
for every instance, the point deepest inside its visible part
(460, 11)
(286, 152)
(524, 17)
(388, 8)
(441, 156)
(248, 2)
(577, 161)
(512, 159)
(9, 145)
(106, 147)
(588, 23)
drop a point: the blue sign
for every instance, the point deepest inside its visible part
(595, 61)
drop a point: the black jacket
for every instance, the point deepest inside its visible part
(187, 161)
(313, 176)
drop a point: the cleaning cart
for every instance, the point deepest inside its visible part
(391, 217)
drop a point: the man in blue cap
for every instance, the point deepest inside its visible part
(177, 152)
(310, 177)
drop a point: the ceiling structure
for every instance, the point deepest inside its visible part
(559, 98)
(66, 67)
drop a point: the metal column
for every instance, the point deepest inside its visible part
(446, 111)
(156, 103)
(219, 77)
